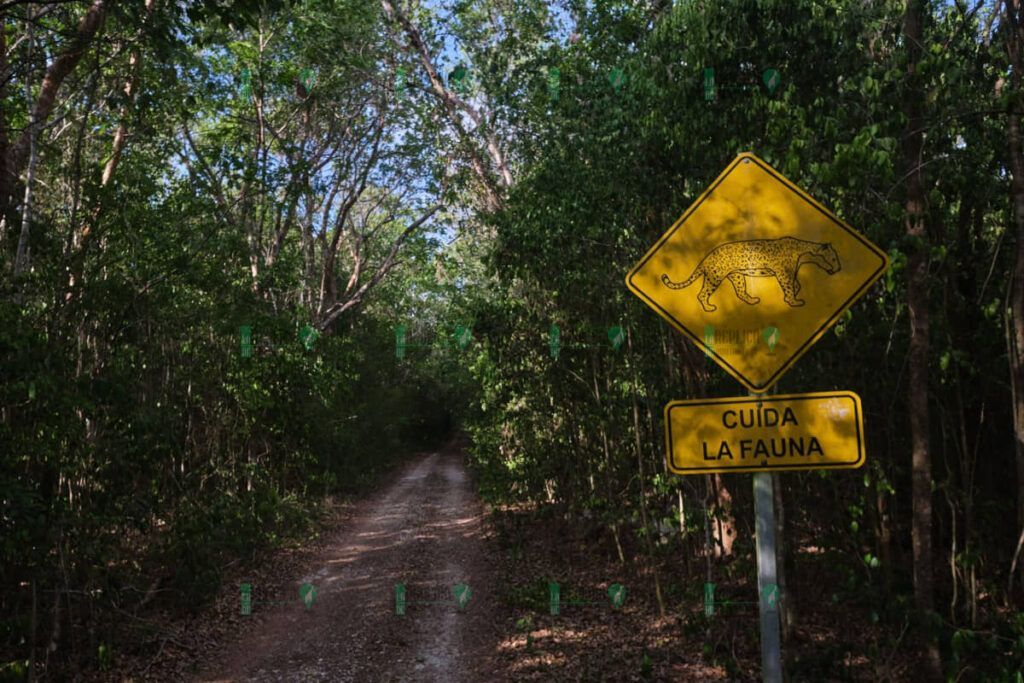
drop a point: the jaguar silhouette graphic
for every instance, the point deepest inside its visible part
(736, 261)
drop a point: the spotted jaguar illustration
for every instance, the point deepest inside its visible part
(779, 258)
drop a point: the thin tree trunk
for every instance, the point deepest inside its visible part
(33, 624)
(21, 259)
(16, 154)
(918, 309)
(130, 88)
(1014, 37)
(55, 628)
(1013, 567)
(725, 523)
(709, 550)
(4, 141)
(884, 535)
(643, 482)
(80, 236)
(608, 493)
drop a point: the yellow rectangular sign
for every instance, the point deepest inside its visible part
(765, 433)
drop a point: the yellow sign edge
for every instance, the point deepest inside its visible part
(859, 422)
(760, 389)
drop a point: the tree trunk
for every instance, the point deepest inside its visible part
(21, 262)
(16, 154)
(918, 307)
(130, 89)
(725, 524)
(884, 535)
(643, 483)
(4, 142)
(1014, 36)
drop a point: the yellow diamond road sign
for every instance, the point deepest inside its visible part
(765, 433)
(756, 271)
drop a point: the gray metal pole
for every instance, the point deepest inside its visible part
(767, 588)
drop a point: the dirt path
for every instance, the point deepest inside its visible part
(424, 530)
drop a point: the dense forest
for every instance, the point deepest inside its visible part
(255, 253)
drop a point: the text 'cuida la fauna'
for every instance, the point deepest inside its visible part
(761, 448)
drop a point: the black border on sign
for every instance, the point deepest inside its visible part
(795, 356)
(858, 421)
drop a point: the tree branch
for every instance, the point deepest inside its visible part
(17, 154)
(454, 104)
(383, 269)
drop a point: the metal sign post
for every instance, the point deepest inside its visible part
(767, 588)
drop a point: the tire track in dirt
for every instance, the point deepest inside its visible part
(425, 530)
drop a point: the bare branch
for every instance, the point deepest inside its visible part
(383, 269)
(453, 105)
(16, 155)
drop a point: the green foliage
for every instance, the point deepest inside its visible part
(139, 443)
(140, 447)
(609, 169)
(14, 672)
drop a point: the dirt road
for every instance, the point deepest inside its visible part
(424, 530)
